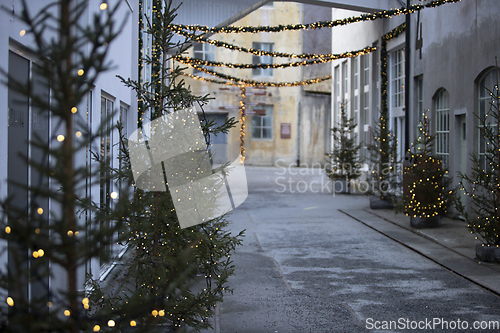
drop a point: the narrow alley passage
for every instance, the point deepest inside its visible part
(307, 267)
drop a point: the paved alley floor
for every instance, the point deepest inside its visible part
(309, 263)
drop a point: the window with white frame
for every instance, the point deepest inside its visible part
(124, 132)
(420, 98)
(376, 78)
(106, 186)
(203, 51)
(345, 81)
(442, 121)
(336, 99)
(355, 72)
(366, 69)
(262, 59)
(487, 85)
(398, 78)
(366, 89)
(262, 126)
(337, 88)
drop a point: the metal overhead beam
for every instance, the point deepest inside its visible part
(225, 12)
(368, 6)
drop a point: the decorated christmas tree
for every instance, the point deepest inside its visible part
(384, 178)
(482, 185)
(344, 161)
(425, 181)
(385, 165)
(52, 229)
(170, 276)
(184, 269)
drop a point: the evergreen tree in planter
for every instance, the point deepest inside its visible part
(51, 227)
(58, 240)
(185, 295)
(425, 196)
(384, 179)
(344, 162)
(482, 185)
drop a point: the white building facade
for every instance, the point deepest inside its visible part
(452, 62)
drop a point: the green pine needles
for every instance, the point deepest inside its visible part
(384, 176)
(169, 278)
(344, 161)
(425, 180)
(482, 185)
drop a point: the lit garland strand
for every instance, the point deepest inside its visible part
(322, 59)
(424, 193)
(234, 81)
(383, 148)
(315, 25)
(232, 47)
(383, 66)
(242, 123)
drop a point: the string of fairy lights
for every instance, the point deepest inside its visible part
(242, 123)
(238, 82)
(257, 52)
(321, 60)
(232, 80)
(384, 137)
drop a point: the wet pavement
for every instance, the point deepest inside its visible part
(315, 262)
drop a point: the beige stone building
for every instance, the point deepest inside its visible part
(283, 126)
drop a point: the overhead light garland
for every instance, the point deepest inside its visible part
(320, 60)
(232, 47)
(315, 25)
(234, 81)
(384, 109)
(383, 153)
(242, 123)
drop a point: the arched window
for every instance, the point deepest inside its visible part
(442, 121)
(486, 86)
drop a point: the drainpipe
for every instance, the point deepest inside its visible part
(301, 90)
(298, 135)
(407, 79)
